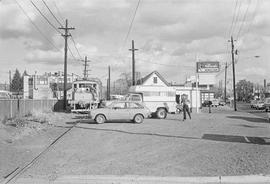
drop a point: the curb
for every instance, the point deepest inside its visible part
(133, 179)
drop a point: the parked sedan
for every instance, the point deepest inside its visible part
(253, 103)
(259, 105)
(121, 110)
(215, 103)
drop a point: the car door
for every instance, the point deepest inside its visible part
(119, 111)
(134, 108)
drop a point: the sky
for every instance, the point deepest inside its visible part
(170, 36)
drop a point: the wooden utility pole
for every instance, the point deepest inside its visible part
(85, 72)
(9, 80)
(225, 85)
(66, 35)
(109, 84)
(133, 63)
(233, 67)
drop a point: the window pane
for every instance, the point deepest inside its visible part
(155, 80)
(119, 105)
(135, 98)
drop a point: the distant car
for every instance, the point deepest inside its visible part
(259, 105)
(121, 110)
(222, 103)
(206, 103)
(215, 103)
(267, 104)
(5, 95)
(253, 103)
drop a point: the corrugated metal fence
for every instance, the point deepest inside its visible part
(20, 107)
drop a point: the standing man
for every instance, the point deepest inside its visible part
(185, 108)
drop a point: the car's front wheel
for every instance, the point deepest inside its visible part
(100, 119)
(161, 113)
(138, 118)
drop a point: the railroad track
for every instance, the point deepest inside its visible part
(20, 170)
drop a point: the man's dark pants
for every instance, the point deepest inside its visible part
(186, 110)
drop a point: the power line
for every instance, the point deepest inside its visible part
(62, 26)
(71, 53)
(237, 17)
(57, 9)
(52, 13)
(130, 26)
(243, 20)
(45, 18)
(233, 20)
(76, 47)
(37, 28)
(253, 15)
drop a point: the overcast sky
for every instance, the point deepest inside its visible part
(170, 35)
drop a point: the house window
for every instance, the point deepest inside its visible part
(155, 80)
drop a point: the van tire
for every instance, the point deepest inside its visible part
(161, 113)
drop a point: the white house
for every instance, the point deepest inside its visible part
(155, 80)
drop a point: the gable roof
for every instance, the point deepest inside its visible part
(141, 81)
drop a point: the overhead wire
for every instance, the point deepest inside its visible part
(237, 17)
(58, 11)
(131, 24)
(74, 43)
(253, 16)
(233, 19)
(52, 13)
(48, 21)
(76, 47)
(37, 28)
(243, 20)
(70, 34)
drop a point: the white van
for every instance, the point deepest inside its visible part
(159, 99)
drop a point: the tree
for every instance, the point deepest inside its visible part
(17, 82)
(24, 73)
(122, 84)
(244, 90)
(217, 91)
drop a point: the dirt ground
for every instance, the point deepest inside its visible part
(21, 139)
(220, 143)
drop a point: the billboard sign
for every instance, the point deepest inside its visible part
(207, 67)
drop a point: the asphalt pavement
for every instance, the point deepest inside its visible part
(218, 144)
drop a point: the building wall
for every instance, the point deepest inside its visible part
(26, 87)
(152, 82)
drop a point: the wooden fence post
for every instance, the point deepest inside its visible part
(10, 114)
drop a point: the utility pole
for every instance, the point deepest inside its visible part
(66, 35)
(133, 63)
(233, 67)
(9, 80)
(85, 72)
(225, 85)
(109, 83)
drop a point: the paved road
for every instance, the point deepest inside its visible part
(241, 106)
(221, 143)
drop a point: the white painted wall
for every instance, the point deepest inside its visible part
(150, 81)
(25, 87)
